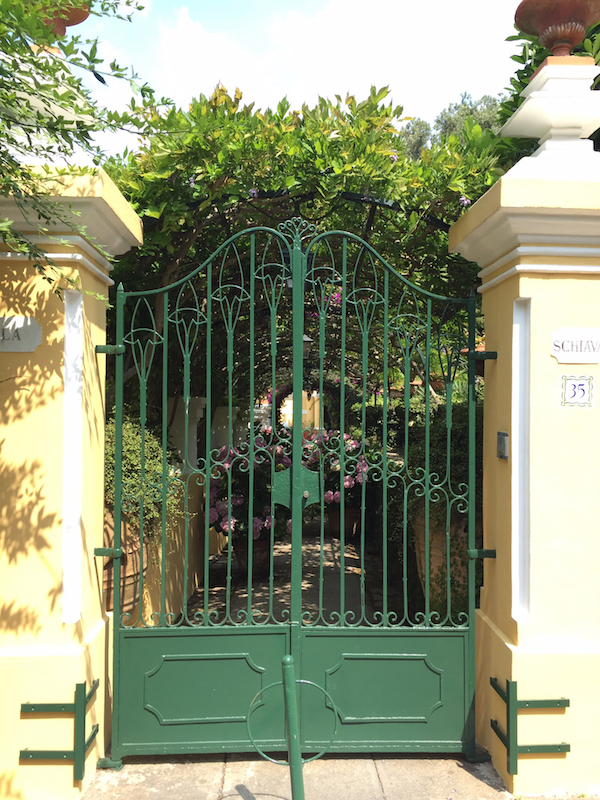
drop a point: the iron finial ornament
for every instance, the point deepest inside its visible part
(559, 24)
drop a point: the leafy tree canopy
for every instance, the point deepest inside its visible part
(483, 112)
(451, 121)
(208, 172)
(221, 166)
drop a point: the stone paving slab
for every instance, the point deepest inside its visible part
(246, 777)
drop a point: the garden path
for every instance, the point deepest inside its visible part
(321, 583)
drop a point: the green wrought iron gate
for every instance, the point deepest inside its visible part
(380, 615)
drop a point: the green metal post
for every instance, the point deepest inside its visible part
(79, 735)
(297, 438)
(292, 724)
(469, 739)
(116, 755)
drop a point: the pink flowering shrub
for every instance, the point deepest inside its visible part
(344, 461)
(231, 510)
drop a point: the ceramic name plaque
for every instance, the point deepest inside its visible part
(19, 334)
(576, 345)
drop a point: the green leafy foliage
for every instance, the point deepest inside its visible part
(47, 116)
(219, 167)
(146, 487)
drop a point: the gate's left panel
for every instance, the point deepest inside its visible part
(202, 622)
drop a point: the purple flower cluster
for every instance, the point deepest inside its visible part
(236, 461)
(253, 194)
(464, 201)
(325, 448)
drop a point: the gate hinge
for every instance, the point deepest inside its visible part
(108, 552)
(482, 355)
(481, 553)
(111, 349)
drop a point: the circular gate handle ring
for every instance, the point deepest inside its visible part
(251, 711)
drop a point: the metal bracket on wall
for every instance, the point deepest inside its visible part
(510, 738)
(80, 745)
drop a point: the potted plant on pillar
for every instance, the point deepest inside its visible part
(559, 24)
(64, 15)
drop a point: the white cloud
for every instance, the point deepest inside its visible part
(195, 60)
(428, 55)
(427, 60)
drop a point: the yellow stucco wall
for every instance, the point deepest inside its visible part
(41, 658)
(180, 583)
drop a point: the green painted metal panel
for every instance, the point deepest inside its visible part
(183, 690)
(393, 690)
(378, 614)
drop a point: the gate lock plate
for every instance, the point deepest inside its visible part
(282, 487)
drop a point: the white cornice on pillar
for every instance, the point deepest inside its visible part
(96, 203)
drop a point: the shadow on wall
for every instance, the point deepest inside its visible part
(23, 514)
(7, 788)
(14, 619)
(24, 521)
(29, 381)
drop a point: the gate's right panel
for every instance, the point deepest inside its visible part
(389, 636)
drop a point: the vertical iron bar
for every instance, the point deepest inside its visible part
(363, 486)
(251, 455)
(512, 749)
(407, 402)
(292, 726)
(427, 477)
(343, 427)
(385, 465)
(116, 748)
(230, 340)
(297, 438)
(449, 393)
(470, 678)
(322, 316)
(164, 521)
(274, 389)
(207, 449)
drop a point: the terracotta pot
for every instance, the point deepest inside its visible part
(261, 549)
(560, 24)
(70, 16)
(133, 559)
(351, 520)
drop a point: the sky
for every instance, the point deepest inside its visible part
(428, 53)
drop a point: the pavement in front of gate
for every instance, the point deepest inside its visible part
(244, 777)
